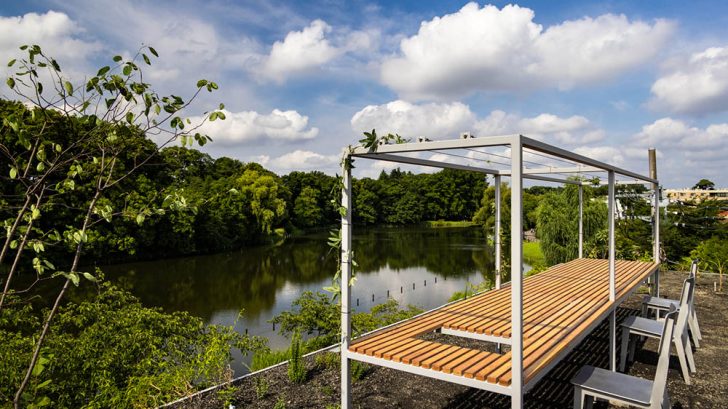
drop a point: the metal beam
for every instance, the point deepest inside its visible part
(550, 179)
(426, 162)
(612, 274)
(430, 373)
(516, 273)
(481, 142)
(497, 232)
(564, 154)
(581, 221)
(554, 169)
(344, 286)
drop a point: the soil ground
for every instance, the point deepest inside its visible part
(386, 388)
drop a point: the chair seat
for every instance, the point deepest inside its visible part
(614, 384)
(660, 303)
(643, 326)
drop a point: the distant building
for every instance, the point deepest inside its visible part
(695, 195)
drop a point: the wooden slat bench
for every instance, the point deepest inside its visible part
(559, 306)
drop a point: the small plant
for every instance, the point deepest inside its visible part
(226, 396)
(358, 370)
(280, 403)
(296, 366)
(328, 360)
(332, 406)
(327, 390)
(261, 387)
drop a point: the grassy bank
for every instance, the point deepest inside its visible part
(532, 254)
(446, 223)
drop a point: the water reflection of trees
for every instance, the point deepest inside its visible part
(251, 277)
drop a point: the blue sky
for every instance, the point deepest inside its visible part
(301, 80)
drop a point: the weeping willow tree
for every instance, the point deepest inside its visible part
(557, 221)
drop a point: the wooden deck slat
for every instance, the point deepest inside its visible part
(558, 305)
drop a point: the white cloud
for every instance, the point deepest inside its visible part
(413, 120)
(606, 154)
(503, 49)
(306, 50)
(57, 34)
(448, 120)
(303, 160)
(249, 127)
(698, 85)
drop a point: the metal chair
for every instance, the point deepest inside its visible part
(662, 304)
(653, 329)
(596, 383)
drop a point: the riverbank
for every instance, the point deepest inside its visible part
(380, 387)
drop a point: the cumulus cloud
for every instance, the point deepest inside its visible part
(606, 154)
(503, 49)
(308, 49)
(303, 160)
(413, 120)
(54, 31)
(247, 127)
(448, 120)
(696, 85)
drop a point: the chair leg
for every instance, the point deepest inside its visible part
(695, 329)
(680, 350)
(632, 348)
(578, 398)
(689, 353)
(623, 349)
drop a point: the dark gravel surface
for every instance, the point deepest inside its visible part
(386, 388)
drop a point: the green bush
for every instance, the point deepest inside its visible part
(111, 352)
(296, 366)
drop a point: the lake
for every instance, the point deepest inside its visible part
(414, 265)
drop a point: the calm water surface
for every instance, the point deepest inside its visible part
(418, 266)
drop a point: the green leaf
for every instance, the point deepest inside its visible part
(55, 65)
(130, 117)
(89, 277)
(213, 116)
(11, 62)
(201, 83)
(10, 82)
(153, 51)
(140, 219)
(146, 59)
(103, 70)
(126, 70)
(75, 279)
(35, 213)
(13, 172)
(222, 106)
(40, 167)
(69, 87)
(117, 58)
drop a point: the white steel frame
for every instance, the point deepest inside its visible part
(517, 172)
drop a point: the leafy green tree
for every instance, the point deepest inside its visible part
(704, 184)
(558, 225)
(71, 144)
(713, 256)
(306, 211)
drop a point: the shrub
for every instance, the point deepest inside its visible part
(296, 366)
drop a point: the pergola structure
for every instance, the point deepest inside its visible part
(517, 157)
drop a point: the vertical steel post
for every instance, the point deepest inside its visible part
(612, 273)
(581, 221)
(516, 273)
(497, 231)
(345, 290)
(652, 159)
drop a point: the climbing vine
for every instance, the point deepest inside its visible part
(371, 142)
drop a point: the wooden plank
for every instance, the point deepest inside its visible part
(559, 304)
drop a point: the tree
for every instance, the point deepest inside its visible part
(79, 144)
(713, 255)
(306, 211)
(558, 224)
(704, 184)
